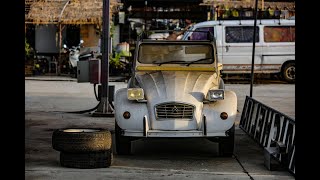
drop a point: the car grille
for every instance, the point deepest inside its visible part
(174, 110)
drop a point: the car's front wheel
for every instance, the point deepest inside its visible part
(123, 143)
(226, 145)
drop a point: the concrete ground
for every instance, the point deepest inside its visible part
(48, 100)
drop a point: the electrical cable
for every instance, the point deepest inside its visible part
(95, 92)
(88, 110)
(96, 107)
(84, 111)
(92, 109)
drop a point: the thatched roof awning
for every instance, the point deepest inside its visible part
(67, 11)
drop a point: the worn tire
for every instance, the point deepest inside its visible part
(81, 140)
(87, 160)
(123, 143)
(288, 73)
(226, 145)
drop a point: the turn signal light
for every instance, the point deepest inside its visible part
(126, 115)
(223, 115)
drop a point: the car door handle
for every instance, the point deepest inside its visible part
(227, 48)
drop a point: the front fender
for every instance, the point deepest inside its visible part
(137, 110)
(212, 112)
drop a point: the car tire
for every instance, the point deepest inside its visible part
(226, 145)
(288, 72)
(89, 160)
(81, 140)
(123, 143)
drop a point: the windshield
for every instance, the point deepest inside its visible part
(176, 54)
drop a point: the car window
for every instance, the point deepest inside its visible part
(201, 34)
(162, 53)
(240, 34)
(279, 34)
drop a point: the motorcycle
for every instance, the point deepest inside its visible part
(76, 54)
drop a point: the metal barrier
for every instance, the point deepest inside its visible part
(272, 130)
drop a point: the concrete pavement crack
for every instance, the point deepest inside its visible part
(244, 169)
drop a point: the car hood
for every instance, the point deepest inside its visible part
(188, 87)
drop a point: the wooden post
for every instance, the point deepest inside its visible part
(60, 37)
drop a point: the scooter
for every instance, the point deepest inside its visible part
(75, 55)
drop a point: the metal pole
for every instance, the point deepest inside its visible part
(145, 14)
(253, 45)
(105, 50)
(104, 106)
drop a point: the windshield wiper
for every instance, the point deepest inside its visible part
(167, 62)
(198, 61)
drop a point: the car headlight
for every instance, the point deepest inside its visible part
(216, 94)
(135, 94)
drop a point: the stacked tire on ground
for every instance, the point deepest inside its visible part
(83, 148)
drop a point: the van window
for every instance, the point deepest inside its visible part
(243, 34)
(279, 34)
(201, 35)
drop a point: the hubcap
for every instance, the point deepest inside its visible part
(291, 72)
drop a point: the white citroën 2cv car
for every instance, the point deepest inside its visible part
(175, 91)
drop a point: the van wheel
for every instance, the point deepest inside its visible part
(289, 72)
(123, 143)
(226, 145)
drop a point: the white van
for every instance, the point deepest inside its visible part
(274, 49)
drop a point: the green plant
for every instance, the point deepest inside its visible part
(112, 28)
(29, 52)
(27, 48)
(115, 61)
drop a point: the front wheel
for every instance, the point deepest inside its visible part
(226, 145)
(123, 143)
(288, 72)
